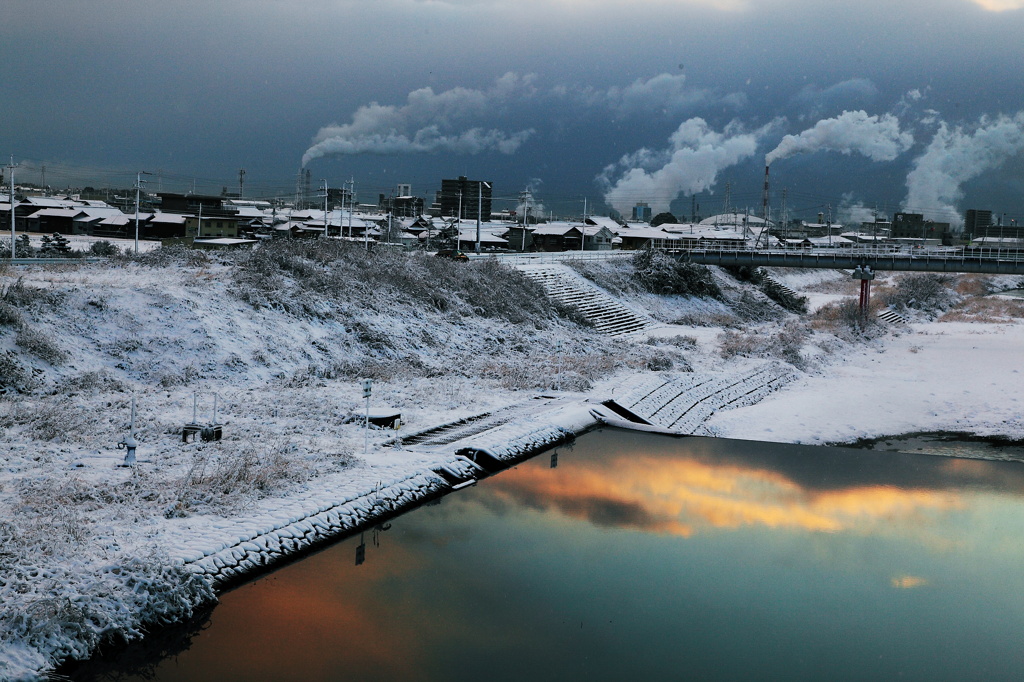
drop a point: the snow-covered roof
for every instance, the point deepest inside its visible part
(169, 218)
(48, 202)
(604, 221)
(55, 213)
(835, 240)
(560, 229)
(645, 233)
(732, 219)
(469, 235)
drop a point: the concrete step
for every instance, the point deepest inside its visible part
(606, 313)
(892, 317)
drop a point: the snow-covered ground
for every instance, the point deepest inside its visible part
(89, 549)
(937, 376)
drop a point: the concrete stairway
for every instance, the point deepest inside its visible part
(607, 314)
(685, 403)
(891, 316)
(782, 287)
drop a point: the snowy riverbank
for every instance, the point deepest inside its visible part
(281, 345)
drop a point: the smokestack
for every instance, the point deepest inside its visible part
(764, 198)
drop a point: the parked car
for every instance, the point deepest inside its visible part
(452, 254)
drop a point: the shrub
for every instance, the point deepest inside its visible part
(9, 315)
(40, 345)
(786, 345)
(929, 292)
(317, 278)
(60, 420)
(14, 375)
(103, 248)
(228, 477)
(679, 341)
(843, 319)
(20, 295)
(791, 302)
(659, 273)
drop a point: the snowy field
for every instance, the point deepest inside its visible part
(90, 550)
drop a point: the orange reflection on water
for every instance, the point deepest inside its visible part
(908, 582)
(679, 496)
(375, 637)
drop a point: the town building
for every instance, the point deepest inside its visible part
(472, 196)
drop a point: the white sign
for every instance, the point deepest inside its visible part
(367, 387)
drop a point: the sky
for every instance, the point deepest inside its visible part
(859, 106)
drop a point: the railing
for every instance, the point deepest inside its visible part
(916, 260)
(553, 256)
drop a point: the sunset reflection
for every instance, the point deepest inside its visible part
(682, 495)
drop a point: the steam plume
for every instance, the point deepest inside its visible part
(691, 164)
(876, 137)
(953, 157)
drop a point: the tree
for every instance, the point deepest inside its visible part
(23, 247)
(663, 218)
(55, 245)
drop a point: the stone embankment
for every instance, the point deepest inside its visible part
(476, 447)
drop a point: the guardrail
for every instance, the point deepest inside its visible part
(553, 256)
(1002, 263)
(52, 261)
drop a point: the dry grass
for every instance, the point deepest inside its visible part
(229, 477)
(990, 310)
(785, 345)
(843, 320)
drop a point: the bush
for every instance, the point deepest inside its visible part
(786, 345)
(315, 278)
(9, 315)
(843, 319)
(784, 297)
(103, 248)
(22, 296)
(930, 293)
(14, 375)
(226, 477)
(40, 345)
(659, 273)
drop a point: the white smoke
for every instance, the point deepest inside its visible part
(955, 156)
(877, 137)
(854, 213)
(528, 200)
(691, 164)
(428, 122)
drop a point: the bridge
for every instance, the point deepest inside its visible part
(951, 260)
(984, 262)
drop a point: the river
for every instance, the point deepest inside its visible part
(631, 556)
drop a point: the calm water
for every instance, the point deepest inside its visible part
(647, 557)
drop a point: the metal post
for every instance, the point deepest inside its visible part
(138, 191)
(11, 167)
(479, 211)
(367, 390)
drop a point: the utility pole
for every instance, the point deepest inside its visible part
(479, 211)
(11, 168)
(351, 204)
(138, 191)
(583, 228)
(458, 224)
(241, 181)
(326, 223)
